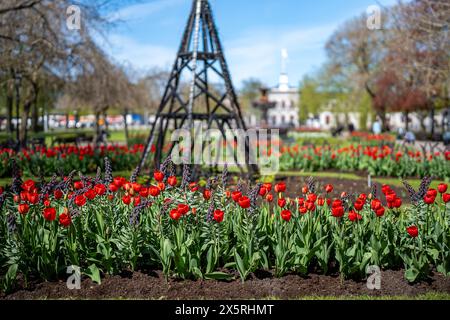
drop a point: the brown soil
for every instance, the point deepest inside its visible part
(152, 285)
(295, 183)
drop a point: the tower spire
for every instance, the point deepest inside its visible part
(283, 82)
(199, 57)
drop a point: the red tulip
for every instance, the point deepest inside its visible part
(352, 215)
(269, 197)
(161, 186)
(16, 198)
(379, 212)
(262, 191)
(136, 201)
(206, 194)
(136, 186)
(397, 202)
(80, 200)
(90, 194)
(432, 192)
(23, 208)
(47, 203)
(337, 203)
(428, 199)
(337, 211)
(446, 197)
(328, 188)
(320, 201)
(183, 208)
(310, 206)
(244, 202)
(363, 197)
(218, 215)
(413, 231)
(113, 187)
(78, 185)
(193, 186)
(358, 205)
(268, 186)
(64, 219)
(302, 210)
(305, 190)
(33, 198)
(57, 194)
(49, 214)
(312, 197)
(29, 185)
(286, 215)
(172, 180)
(143, 192)
(154, 191)
(175, 214)
(442, 187)
(280, 187)
(236, 195)
(375, 204)
(281, 202)
(158, 175)
(126, 199)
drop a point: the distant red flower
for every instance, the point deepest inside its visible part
(57, 194)
(352, 215)
(375, 204)
(33, 198)
(113, 187)
(143, 192)
(397, 202)
(49, 214)
(380, 211)
(218, 215)
(126, 199)
(23, 208)
(302, 210)
(193, 186)
(78, 185)
(320, 201)
(80, 200)
(282, 202)
(64, 219)
(280, 187)
(175, 214)
(310, 205)
(262, 191)
(328, 188)
(136, 186)
(337, 211)
(154, 191)
(158, 175)
(269, 197)
(442, 187)
(244, 202)
(286, 215)
(29, 185)
(428, 199)
(206, 194)
(305, 190)
(446, 197)
(268, 186)
(47, 203)
(161, 186)
(413, 231)
(236, 195)
(183, 208)
(172, 180)
(90, 194)
(312, 197)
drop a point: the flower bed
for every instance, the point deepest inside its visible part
(65, 158)
(378, 161)
(106, 225)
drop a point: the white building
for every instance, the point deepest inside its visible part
(285, 113)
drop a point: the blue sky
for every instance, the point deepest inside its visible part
(253, 32)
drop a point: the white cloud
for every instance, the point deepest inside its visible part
(124, 49)
(142, 10)
(258, 53)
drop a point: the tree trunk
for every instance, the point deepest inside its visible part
(127, 136)
(35, 117)
(24, 122)
(9, 110)
(406, 120)
(432, 122)
(67, 120)
(96, 129)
